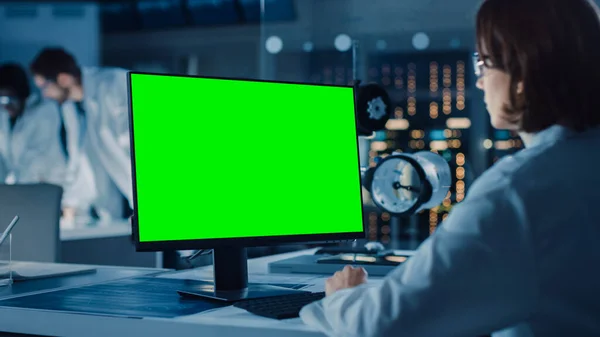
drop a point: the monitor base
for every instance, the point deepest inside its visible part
(252, 291)
(230, 268)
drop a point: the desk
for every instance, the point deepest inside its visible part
(223, 322)
(86, 244)
(85, 232)
(102, 274)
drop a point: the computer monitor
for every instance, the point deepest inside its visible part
(226, 164)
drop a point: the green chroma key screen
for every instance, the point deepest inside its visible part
(221, 158)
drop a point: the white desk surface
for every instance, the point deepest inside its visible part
(95, 231)
(223, 322)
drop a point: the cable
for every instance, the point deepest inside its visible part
(190, 259)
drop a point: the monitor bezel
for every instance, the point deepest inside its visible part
(257, 241)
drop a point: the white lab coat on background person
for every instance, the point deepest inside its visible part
(105, 138)
(31, 151)
(80, 187)
(517, 258)
(3, 169)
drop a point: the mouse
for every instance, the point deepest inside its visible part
(374, 246)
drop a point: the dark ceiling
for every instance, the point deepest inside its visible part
(136, 15)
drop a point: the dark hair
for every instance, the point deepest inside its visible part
(14, 77)
(553, 47)
(50, 62)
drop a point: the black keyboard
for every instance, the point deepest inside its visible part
(279, 307)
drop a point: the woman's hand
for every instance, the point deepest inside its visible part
(349, 277)
(68, 213)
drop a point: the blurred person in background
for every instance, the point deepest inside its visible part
(95, 111)
(80, 191)
(30, 150)
(518, 256)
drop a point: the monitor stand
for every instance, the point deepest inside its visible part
(231, 280)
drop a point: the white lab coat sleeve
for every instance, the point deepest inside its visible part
(121, 112)
(119, 141)
(473, 276)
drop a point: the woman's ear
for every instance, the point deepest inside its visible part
(520, 88)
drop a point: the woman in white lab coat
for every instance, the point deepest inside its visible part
(518, 257)
(100, 123)
(30, 149)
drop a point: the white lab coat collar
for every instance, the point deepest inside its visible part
(545, 137)
(30, 102)
(88, 81)
(555, 133)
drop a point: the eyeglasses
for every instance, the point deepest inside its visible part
(6, 100)
(480, 63)
(11, 103)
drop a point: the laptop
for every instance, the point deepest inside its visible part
(36, 237)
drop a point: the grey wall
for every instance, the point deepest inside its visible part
(229, 50)
(238, 51)
(25, 28)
